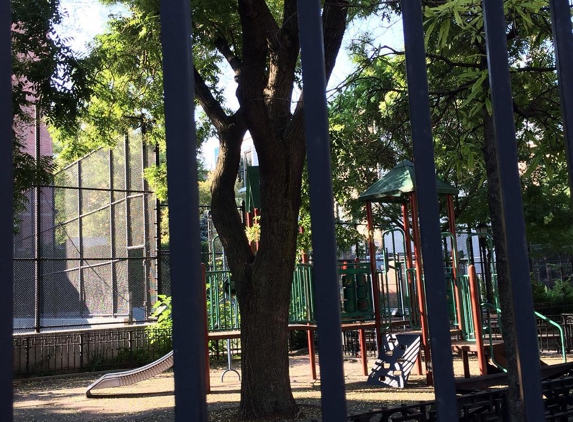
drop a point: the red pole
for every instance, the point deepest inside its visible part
(208, 369)
(409, 265)
(375, 286)
(363, 357)
(420, 287)
(474, 294)
(311, 352)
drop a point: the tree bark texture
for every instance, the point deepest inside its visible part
(503, 277)
(266, 75)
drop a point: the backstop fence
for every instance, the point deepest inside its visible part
(86, 247)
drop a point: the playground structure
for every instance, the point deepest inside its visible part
(398, 186)
(389, 300)
(474, 317)
(401, 335)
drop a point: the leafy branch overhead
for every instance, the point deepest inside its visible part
(48, 81)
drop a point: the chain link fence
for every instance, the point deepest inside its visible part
(85, 252)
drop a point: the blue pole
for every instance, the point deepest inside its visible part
(322, 212)
(512, 209)
(182, 183)
(563, 38)
(429, 215)
(6, 213)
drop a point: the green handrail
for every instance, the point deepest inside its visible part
(538, 315)
(222, 307)
(491, 354)
(302, 301)
(389, 236)
(561, 335)
(468, 329)
(489, 245)
(411, 272)
(454, 241)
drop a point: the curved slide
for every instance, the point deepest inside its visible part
(120, 379)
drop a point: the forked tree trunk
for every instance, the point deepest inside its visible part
(263, 281)
(266, 74)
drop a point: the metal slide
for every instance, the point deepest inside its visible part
(120, 379)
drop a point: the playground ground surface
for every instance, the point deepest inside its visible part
(63, 398)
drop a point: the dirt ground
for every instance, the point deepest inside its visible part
(63, 398)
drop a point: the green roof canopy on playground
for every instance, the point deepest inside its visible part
(398, 183)
(253, 194)
(399, 186)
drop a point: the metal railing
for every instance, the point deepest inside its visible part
(69, 352)
(302, 299)
(491, 406)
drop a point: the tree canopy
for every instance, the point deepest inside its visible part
(462, 122)
(459, 97)
(47, 75)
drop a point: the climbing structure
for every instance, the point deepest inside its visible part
(398, 186)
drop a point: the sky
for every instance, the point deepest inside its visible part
(84, 19)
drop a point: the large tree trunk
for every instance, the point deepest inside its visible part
(265, 388)
(263, 283)
(503, 278)
(264, 296)
(266, 77)
(264, 301)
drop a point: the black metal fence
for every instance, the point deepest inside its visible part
(189, 379)
(86, 248)
(59, 353)
(489, 406)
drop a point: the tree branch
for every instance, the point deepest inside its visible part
(282, 62)
(231, 58)
(534, 69)
(257, 23)
(334, 25)
(209, 104)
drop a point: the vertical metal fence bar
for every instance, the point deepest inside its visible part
(80, 242)
(322, 212)
(112, 234)
(563, 38)
(37, 229)
(146, 246)
(514, 224)
(158, 254)
(6, 213)
(429, 216)
(187, 287)
(127, 185)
